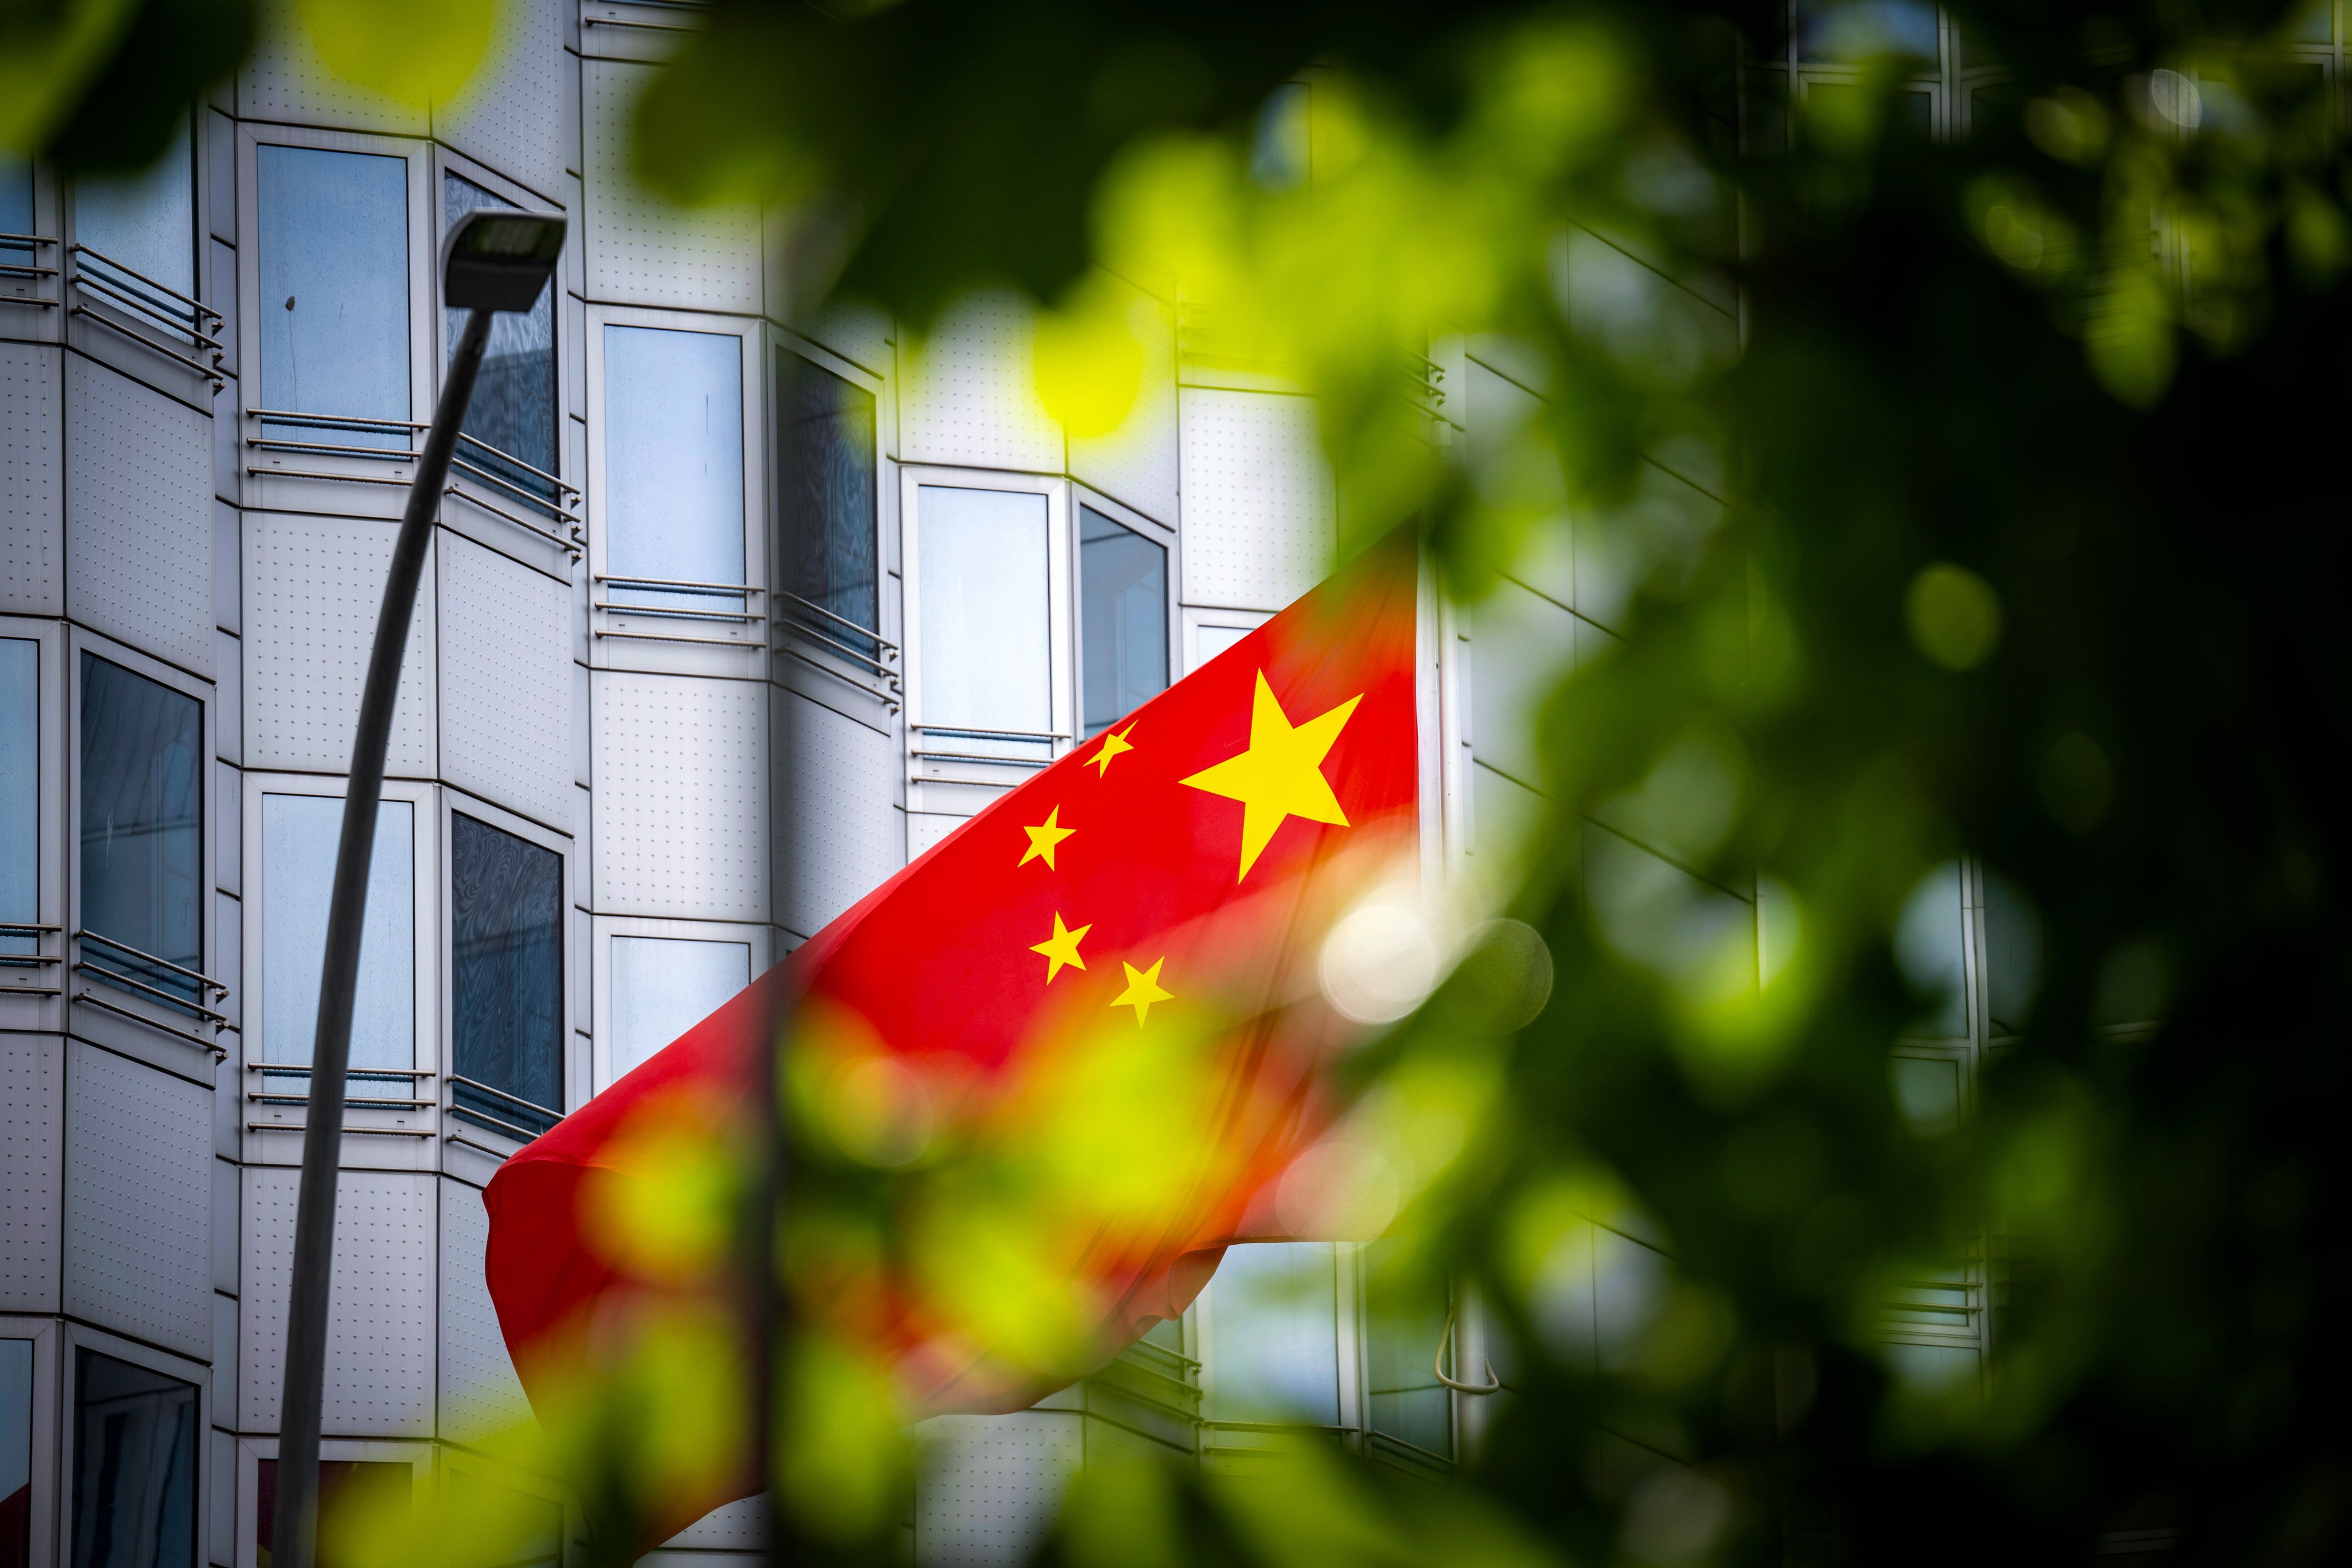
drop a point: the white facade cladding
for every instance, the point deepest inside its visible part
(640, 751)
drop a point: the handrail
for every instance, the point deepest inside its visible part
(210, 372)
(195, 306)
(304, 1069)
(117, 295)
(569, 546)
(510, 1099)
(969, 733)
(474, 1113)
(800, 628)
(712, 588)
(979, 757)
(30, 270)
(888, 695)
(333, 421)
(486, 476)
(505, 457)
(85, 935)
(262, 473)
(1437, 1364)
(866, 632)
(681, 637)
(746, 617)
(331, 449)
(219, 1051)
(162, 998)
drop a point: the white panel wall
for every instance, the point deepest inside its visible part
(838, 832)
(138, 1208)
(512, 115)
(642, 249)
(479, 1391)
(32, 469)
(32, 1109)
(1260, 516)
(380, 1312)
(735, 1528)
(1138, 463)
(969, 392)
(313, 586)
(682, 798)
(988, 1486)
(285, 80)
(139, 516)
(505, 681)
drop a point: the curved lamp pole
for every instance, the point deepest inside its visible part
(493, 259)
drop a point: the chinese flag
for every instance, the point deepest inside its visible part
(1080, 1046)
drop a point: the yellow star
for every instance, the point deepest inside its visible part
(1062, 948)
(1043, 837)
(1281, 774)
(1113, 744)
(1142, 990)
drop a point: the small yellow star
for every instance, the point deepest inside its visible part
(1113, 744)
(1043, 837)
(1281, 774)
(1062, 948)
(1142, 990)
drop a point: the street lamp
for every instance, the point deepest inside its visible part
(493, 259)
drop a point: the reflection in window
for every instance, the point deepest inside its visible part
(506, 978)
(134, 1467)
(1275, 1327)
(15, 209)
(351, 1492)
(20, 789)
(986, 652)
(1404, 1324)
(674, 463)
(147, 221)
(15, 1453)
(825, 494)
(513, 411)
(141, 827)
(334, 289)
(300, 833)
(1122, 619)
(663, 986)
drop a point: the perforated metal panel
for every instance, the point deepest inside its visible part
(312, 589)
(926, 828)
(511, 116)
(1259, 515)
(139, 516)
(505, 681)
(681, 796)
(1136, 463)
(988, 1485)
(380, 1312)
(735, 1528)
(479, 1391)
(837, 826)
(225, 1381)
(1521, 644)
(642, 249)
(969, 392)
(138, 1201)
(32, 1113)
(284, 79)
(32, 507)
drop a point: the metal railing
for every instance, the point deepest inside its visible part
(136, 306)
(29, 270)
(532, 486)
(528, 1111)
(1045, 738)
(741, 594)
(166, 985)
(405, 1077)
(28, 930)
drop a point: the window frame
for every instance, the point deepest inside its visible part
(664, 645)
(250, 1451)
(79, 1337)
(1160, 533)
(603, 928)
(50, 1481)
(188, 364)
(32, 996)
(36, 318)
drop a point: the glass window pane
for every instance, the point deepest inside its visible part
(334, 287)
(507, 975)
(352, 1494)
(1865, 29)
(1927, 946)
(15, 1452)
(1122, 619)
(986, 654)
(1404, 1324)
(143, 822)
(20, 787)
(1210, 641)
(146, 221)
(299, 837)
(2012, 953)
(824, 492)
(134, 1467)
(15, 193)
(513, 411)
(663, 986)
(673, 462)
(1275, 1327)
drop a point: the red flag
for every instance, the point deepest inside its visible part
(1085, 1026)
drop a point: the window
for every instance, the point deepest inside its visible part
(825, 497)
(20, 791)
(1122, 619)
(15, 1453)
(663, 986)
(334, 289)
(16, 212)
(513, 413)
(506, 978)
(146, 222)
(299, 834)
(134, 1467)
(1275, 1327)
(352, 1495)
(1404, 1324)
(983, 604)
(142, 830)
(673, 465)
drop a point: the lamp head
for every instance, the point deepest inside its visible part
(498, 259)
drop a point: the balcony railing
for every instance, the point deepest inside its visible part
(510, 1115)
(20, 948)
(20, 261)
(476, 463)
(836, 638)
(158, 318)
(158, 982)
(1040, 742)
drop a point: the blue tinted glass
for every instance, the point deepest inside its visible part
(507, 975)
(335, 283)
(143, 817)
(299, 836)
(513, 410)
(824, 458)
(134, 1467)
(15, 1451)
(663, 986)
(15, 208)
(1123, 618)
(20, 787)
(673, 461)
(1273, 1322)
(145, 221)
(1404, 1325)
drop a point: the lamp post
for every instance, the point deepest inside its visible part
(493, 259)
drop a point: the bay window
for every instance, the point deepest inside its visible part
(143, 768)
(673, 507)
(134, 1465)
(1122, 616)
(505, 979)
(663, 986)
(299, 836)
(333, 307)
(509, 433)
(825, 504)
(20, 794)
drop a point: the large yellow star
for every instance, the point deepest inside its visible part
(1062, 948)
(1113, 744)
(1142, 990)
(1043, 839)
(1281, 774)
